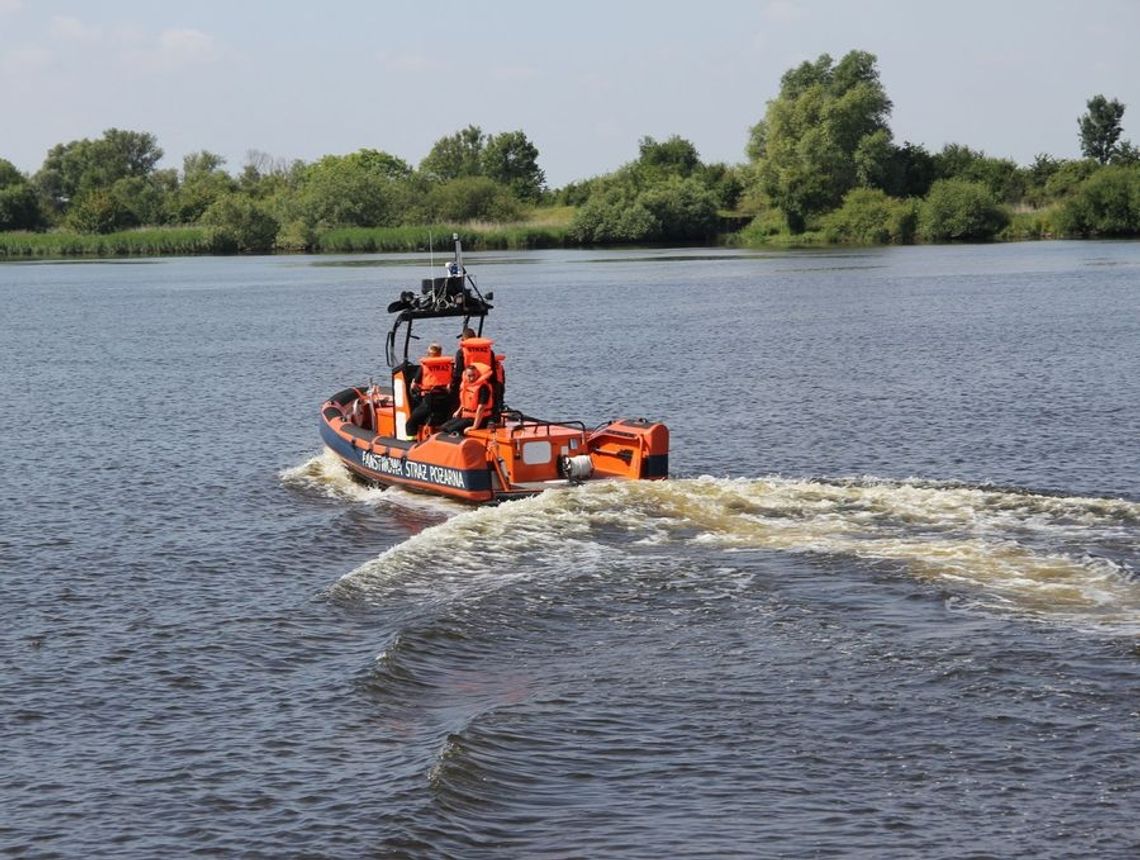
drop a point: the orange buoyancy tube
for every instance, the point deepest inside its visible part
(435, 372)
(469, 392)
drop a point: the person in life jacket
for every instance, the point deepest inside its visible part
(460, 360)
(474, 400)
(480, 350)
(431, 386)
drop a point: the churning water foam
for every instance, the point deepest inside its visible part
(1064, 559)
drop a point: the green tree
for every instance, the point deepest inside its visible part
(9, 175)
(362, 189)
(459, 154)
(381, 164)
(204, 182)
(1037, 176)
(19, 203)
(87, 165)
(910, 172)
(757, 147)
(62, 173)
(725, 182)
(263, 176)
(20, 208)
(144, 200)
(874, 159)
(240, 224)
(1126, 154)
(806, 147)
(203, 161)
(1069, 175)
(574, 193)
(1001, 175)
(667, 194)
(673, 157)
(1100, 128)
(98, 210)
(127, 153)
(512, 160)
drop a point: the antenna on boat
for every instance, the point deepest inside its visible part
(458, 252)
(431, 255)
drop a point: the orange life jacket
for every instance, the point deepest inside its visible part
(435, 372)
(469, 393)
(477, 350)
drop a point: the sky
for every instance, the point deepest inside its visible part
(585, 80)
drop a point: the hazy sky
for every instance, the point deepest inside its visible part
(584, 79)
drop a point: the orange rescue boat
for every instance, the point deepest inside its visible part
(508, 454)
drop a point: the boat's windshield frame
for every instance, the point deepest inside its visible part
(406, 318)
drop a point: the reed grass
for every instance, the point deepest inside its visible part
(146, 242)
(1034, 224)
(476, 237)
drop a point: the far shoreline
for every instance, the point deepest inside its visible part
(203, 241)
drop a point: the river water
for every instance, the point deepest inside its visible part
(886, 606)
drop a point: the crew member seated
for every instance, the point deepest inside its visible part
(475, 400)
(431, 387)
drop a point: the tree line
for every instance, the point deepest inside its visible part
(113, 184)
(822, 165)
(823, 159)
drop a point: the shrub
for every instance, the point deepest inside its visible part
(685, 210)
(98, 211)
(1068, 177)
(472, 198)
(869, 217)
(1106, 204)
(1034, 224)
(960, 210)
(239, 224)
(296, 236)
(19, 207)
(613, 218)
(764, 226)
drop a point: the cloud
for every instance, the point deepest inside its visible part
(170, 50)
(182, 47)
(64, 28)
(23, 61)
(9, 6)
(410, 62)
(783, 12)
(514, 73)
(775, 16)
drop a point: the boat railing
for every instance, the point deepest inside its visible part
(516, 422)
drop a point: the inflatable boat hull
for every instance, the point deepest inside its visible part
(517, 457)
